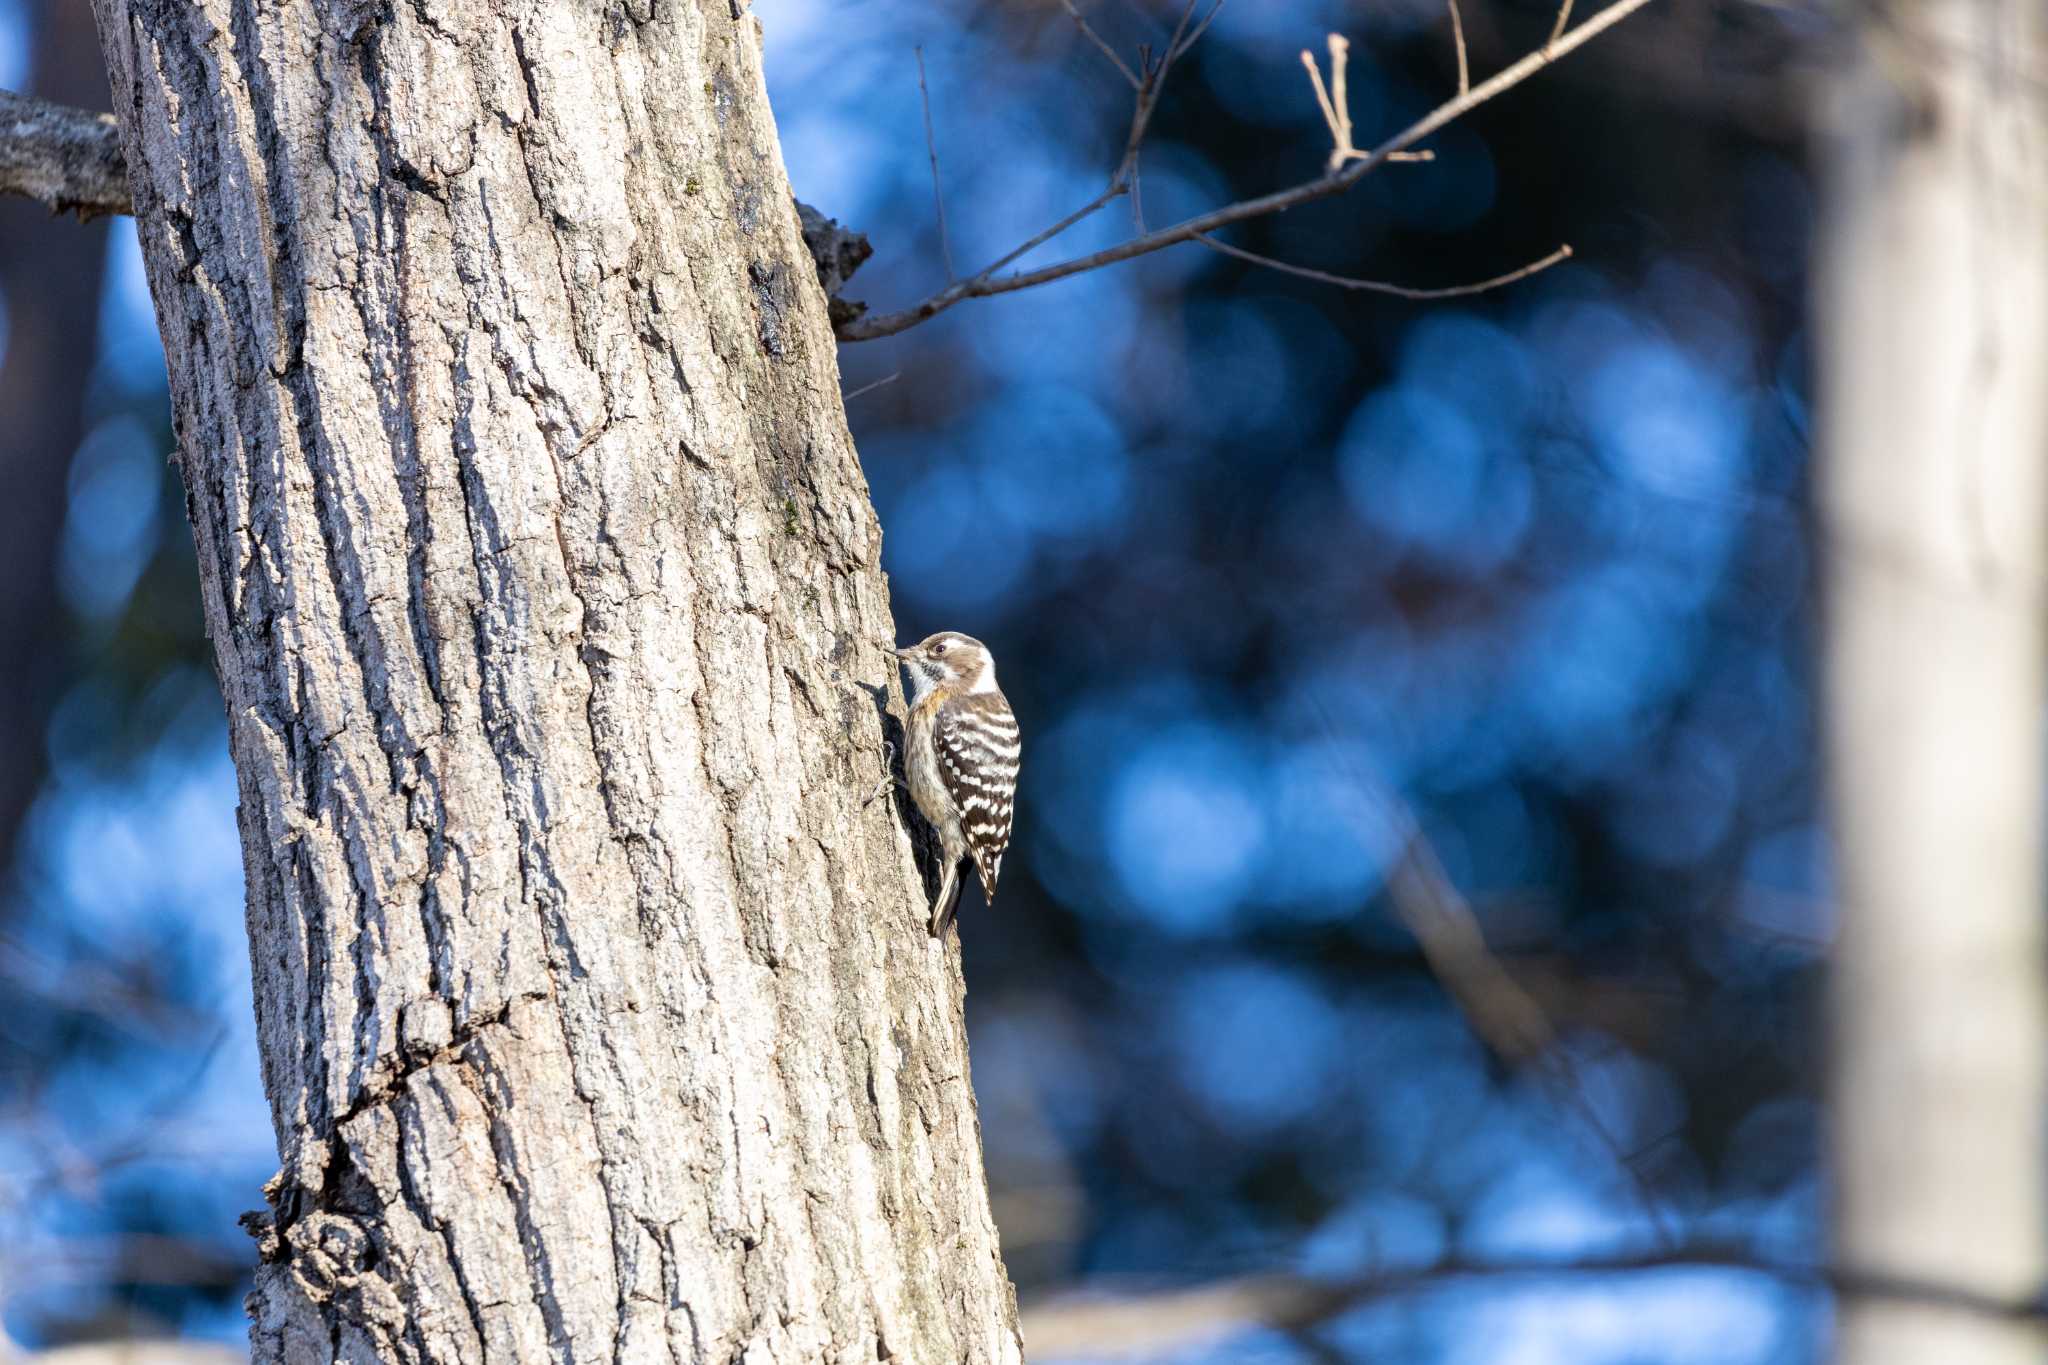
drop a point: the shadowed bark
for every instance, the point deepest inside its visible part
(598, 1017)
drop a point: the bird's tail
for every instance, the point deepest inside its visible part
(948, 901)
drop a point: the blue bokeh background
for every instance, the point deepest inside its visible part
(1271, 570)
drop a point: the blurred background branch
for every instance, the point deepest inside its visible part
(138, 1351)
(1150, 1324)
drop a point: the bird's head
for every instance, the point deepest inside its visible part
(956, 662)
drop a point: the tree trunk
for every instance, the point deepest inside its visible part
(1933, 316)
(598, 1017)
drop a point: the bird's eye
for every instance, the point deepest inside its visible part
(936, 650)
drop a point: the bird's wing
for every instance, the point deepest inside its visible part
(978, 752)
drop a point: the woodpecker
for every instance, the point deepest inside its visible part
(962, 759)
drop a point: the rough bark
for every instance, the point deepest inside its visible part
(597, 1015)
(65, 158)
(1933, 309)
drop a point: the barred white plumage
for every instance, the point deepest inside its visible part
(962, 759)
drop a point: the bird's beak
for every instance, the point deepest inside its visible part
(889, 647)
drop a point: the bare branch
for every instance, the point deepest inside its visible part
(1458, 40)
(1455, 291)
(987, 283)
(65, 159)
(931, 146)
(1146, 1324)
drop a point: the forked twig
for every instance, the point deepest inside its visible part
(1335, 102)
(1564, 16)
(1088, 32)
(1123, 179)
(1336, 106)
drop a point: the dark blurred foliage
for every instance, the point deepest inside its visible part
(1268, 568)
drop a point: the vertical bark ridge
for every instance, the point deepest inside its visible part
(598, 1019)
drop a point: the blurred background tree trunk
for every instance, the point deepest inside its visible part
(1932, 314)
(598, 1019)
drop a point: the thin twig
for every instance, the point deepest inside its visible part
(1456, 291)
(987, 284)
(1055, 230)
(1176, 53)
(871, 387)
(1124, 178)
(1149, 89)
(1339, 134)
(1177, 43)
(1458, 41)
(931, 145)
(1564, 16)
(1092, 36)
